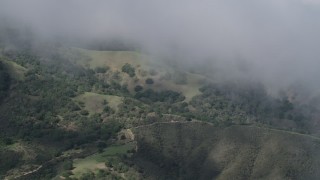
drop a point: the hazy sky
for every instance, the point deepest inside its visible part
(278, 39)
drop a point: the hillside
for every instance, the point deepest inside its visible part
(71, 113)
(160, 90)
(202, 151)
(165, 77)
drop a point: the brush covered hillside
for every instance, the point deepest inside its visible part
(72, 113)
(202, 151)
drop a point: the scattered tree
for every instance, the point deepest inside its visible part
(138, 88)
(101, 69)
(84, 112)
(129, 69)
(149, 81)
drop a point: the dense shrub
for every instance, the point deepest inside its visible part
(129, 69)
(138, 88)
(101, 69)
(149, 81)
(84, 112)
(4, 81)
(67, 165)
(163, 96)
(9, 159)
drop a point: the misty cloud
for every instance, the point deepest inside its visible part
(277, 40)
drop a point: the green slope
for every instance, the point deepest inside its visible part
(62, 113)
(165, 77)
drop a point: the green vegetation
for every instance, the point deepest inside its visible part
(11, 159)
(96, 103)
(142, 64)
(149, 81)
(41, 109)
(5, 81)
(127, 68)
(202, 151)
(76, 113)
(163, 96)
(232, 103)
(98, 163)
(101, 69)
(138, 88)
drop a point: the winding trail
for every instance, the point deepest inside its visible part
(208, 123)
(27, 173)
(62, 157)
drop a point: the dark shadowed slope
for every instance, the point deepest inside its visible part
(202, 151)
